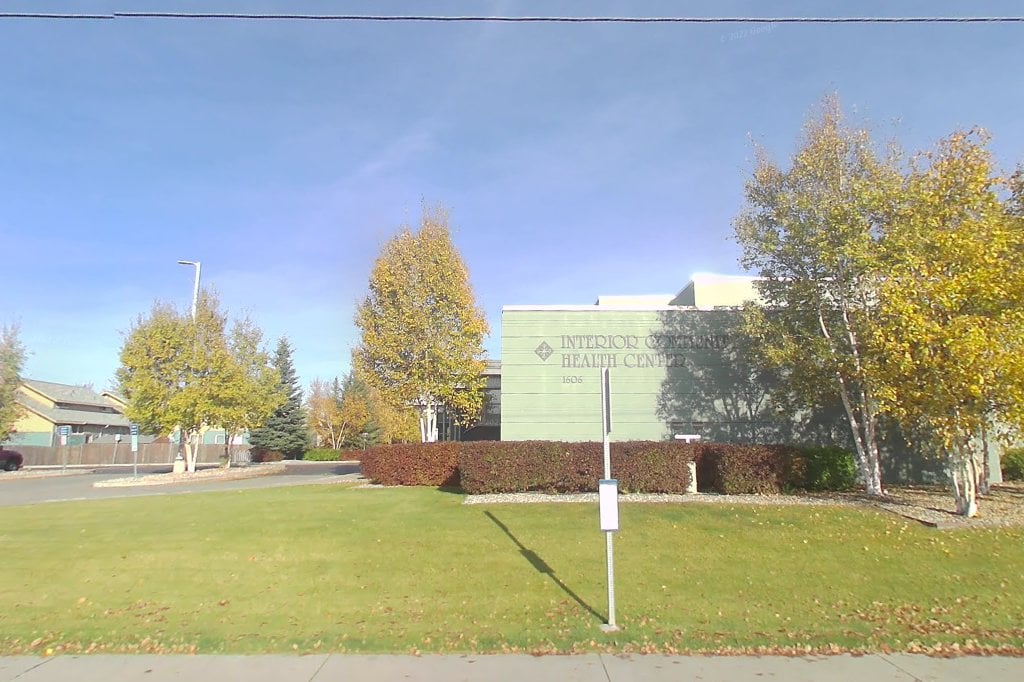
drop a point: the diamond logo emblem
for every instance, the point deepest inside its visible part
(543, 351)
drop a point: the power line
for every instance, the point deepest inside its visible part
(513, 19)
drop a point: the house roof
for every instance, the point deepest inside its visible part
(64, 393)
(59, 415)
(74, 404)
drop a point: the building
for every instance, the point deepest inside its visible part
(675, 368)
(488, 426)
(45, 406)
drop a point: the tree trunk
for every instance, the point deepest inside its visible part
(191, 451)
(963, 473)
(865, 443)
(428, 421)
(862, 426)
(984, 484)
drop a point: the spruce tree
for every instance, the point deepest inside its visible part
(285, 431)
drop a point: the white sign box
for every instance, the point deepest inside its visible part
(608, 496)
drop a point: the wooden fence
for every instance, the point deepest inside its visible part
(93, 454)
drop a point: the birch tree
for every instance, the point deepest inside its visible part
(422, 332)
(179, 373)
(950, 323)
(323, 406)
(811, 233)
(252, 394)
(12, 358)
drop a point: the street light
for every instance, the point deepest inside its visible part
(195, 288)
(179, 461)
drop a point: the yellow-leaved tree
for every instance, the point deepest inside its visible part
(949, 324)
(810, 232)
(422, 332)
(180, 372)
(12, 357)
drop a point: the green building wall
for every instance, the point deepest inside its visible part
(673, 370)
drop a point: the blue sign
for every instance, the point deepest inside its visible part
(64, 430)
(133, 429)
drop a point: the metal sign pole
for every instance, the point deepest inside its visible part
(133, 430)
(609, 498)
(64, 432)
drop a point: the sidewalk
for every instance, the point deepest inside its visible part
(582, 668)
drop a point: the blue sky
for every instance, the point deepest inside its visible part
(576, 160)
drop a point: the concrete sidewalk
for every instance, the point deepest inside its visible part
(582, 668)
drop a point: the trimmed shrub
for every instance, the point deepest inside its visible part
(1012, 464)
(733, 469)
(825, 468)
(555, 467)
(653, 466)
(433, 464)
(329, 455)
(522, 466)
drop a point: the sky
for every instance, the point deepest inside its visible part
(575, 159)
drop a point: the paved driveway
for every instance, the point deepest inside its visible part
(77, 484)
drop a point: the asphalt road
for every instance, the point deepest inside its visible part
(77, 484)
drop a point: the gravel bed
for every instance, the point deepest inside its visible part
(932, 506)
(650, 498)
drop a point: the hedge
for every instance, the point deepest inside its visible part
(434, 464)
(640, 466)
(521, 466)
(733, 469)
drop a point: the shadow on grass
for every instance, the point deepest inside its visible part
(542, 567)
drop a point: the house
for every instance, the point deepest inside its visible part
(45, 406)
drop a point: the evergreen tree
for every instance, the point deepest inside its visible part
(285, 431)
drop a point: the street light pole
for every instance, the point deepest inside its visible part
(195, 287)
(179, 461)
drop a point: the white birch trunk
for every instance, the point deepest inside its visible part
(984, 481)
(191, 451)
(862, 427)
(964, 475)
(428, 421)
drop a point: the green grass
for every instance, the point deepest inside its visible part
(324, 568)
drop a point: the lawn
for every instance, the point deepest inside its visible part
(330, 568)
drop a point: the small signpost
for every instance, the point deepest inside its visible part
(64, 432)
(133, 430)
(608, 497)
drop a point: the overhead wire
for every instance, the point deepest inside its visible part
(274, 16)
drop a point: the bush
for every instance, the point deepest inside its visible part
(523, 466)
(1012, 462)
(653, 466)
(329, 455)
(556, 467)
(433, 464)
(825, 468)
(640, 466)
(258, 455)
(732, 469)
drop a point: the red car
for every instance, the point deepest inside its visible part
(10, 460)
